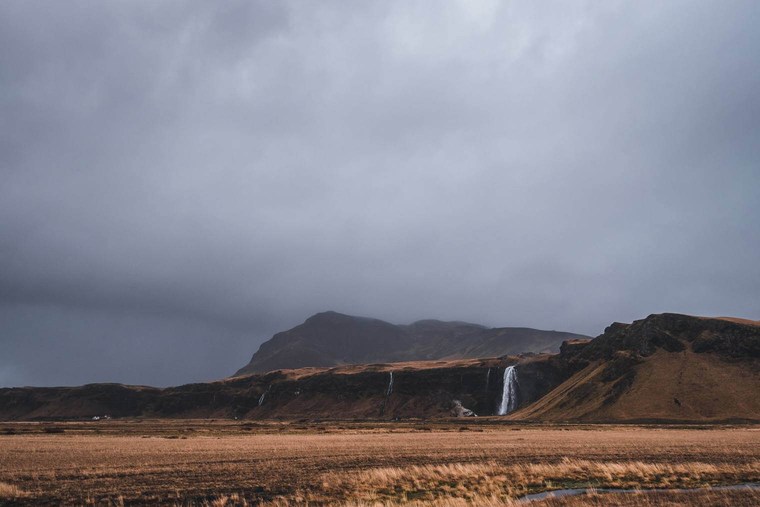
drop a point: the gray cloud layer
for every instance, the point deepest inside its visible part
(181, 180)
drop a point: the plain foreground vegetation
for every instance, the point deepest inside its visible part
(419, 463)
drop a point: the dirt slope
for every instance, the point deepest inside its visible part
(666, 367)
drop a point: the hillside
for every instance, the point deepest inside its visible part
(332, 339)
(666, 367)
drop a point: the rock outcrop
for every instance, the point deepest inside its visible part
(458, 410)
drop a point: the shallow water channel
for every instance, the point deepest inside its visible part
(583, 491)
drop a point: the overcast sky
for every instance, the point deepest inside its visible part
(180, 180)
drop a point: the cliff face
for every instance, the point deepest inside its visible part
(420, 389)
(333, 339)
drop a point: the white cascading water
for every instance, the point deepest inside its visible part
(387, 393)
(488, 378)
(263, 395)
(509, 394)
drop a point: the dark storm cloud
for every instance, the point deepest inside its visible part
(181, 180)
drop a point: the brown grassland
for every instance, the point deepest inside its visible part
(446, 463)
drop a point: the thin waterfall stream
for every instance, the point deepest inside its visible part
(388, 392)
(264, 394)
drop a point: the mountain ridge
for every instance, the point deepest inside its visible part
(332, 339)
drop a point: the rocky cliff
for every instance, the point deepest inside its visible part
(420, 389)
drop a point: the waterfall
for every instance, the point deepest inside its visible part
(488, 378)
(263, 395)
(509, 394)
(387, 394)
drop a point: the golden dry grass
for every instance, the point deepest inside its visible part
(205, 463)
(701, 497)
(683, 386)
(299, 373)
(494, 480)
(9, 491)
(737, 320)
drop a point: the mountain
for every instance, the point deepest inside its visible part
(332, 339)
(667, 367)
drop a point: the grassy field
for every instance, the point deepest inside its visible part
(445, 464)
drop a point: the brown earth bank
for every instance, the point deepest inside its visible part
(665, 368)
(204, 462)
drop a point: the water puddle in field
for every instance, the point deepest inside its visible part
(558, 493)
